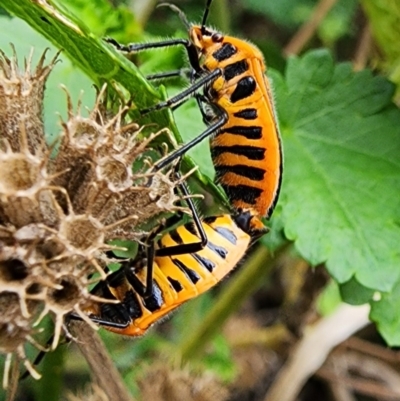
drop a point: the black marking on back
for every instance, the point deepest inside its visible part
(251, 152)
(243, 193)
(253, 173)
(132, 305)
(176, 237)
(226, 51)
(176, 285)
(206, 263)
(191, 228)
(250, 132)
(192, 275)
(227, 234)
(154, 302)
(247, 114)
(114, 313)
(210, 219)
(244, 88)
(102, 289)
(235, 69)
(116, 279)
(219, 250)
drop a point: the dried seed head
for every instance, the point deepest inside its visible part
(21, 101)
(91, 393)
(58, 213)
(14, 328)
(164, 382)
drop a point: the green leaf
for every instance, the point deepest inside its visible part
(341, 184)
(385, 313)
(103, 19)
(355, 294)
(275, 237)
(130, 246)
(329, 299)
(219, 360)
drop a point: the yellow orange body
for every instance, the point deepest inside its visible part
(176, 279)
(246, 151)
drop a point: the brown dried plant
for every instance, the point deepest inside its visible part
(163, 382)
(58, 213)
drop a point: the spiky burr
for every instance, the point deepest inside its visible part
(61, 203)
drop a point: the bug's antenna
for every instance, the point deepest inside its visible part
(180, 13)
(205, 16)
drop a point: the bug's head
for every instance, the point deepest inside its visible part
(250, 223)
(203, 37)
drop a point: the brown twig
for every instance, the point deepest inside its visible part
(378, 351)
(308, 29)
(313, 349)
(378, 390)
(341, 392)
(103, 370)
(363, 49)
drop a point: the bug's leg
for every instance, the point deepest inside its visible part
(183, 73)
(208, 116)
(185, 95)
(222, 118)
(147, 290)
(193, 246)
(137, 47)
(172, 250)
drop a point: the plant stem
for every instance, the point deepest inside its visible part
(103, 370)
(308, 29)
(221, 15)
(363, 49)
(142, 9)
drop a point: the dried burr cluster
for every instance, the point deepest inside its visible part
(61, 204)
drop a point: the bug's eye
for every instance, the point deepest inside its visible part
(217, 37)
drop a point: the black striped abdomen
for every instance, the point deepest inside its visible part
(183, 277)
(247, 157)
(226, 245)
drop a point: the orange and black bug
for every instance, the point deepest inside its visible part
(185, 263)
(238, 107)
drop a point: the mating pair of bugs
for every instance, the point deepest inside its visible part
(236, 104)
